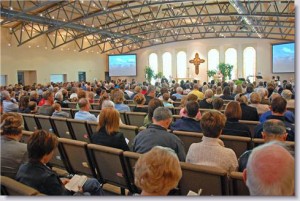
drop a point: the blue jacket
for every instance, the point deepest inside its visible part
(186, 124)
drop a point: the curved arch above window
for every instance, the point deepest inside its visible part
(231, 58)
(167, 64)
(153, 62)
(181, 64)
(249, 62)
(213, 59)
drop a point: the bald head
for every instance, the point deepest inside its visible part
(270, 170)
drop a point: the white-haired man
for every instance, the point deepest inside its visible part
(270, 171)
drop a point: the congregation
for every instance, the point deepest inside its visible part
(212, 109)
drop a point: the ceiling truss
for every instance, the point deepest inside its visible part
(124, 26)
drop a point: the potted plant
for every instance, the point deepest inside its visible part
(211, 73)
(225, 69)
(149, 73)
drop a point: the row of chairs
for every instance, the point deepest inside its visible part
(71, 128)
(238, 144)
(12, 187)
(82, 130)
(116, 167)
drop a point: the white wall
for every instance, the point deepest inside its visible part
(47, 62)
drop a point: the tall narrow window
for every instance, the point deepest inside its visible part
(153, 62)
(231, 58)
(181, 64)
(213, 59)
(249, 63)
(167, 64)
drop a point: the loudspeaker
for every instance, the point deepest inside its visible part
(107, 78)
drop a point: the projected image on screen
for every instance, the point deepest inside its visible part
(122, 65)
(283, 58)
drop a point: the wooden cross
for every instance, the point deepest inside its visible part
(197, 61)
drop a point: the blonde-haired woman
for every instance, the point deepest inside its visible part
(108, 130)
(157, 171)
(139, 99)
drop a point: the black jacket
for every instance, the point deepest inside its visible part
(116, 140)
(42, 178)
(249, 113)
(233, 127)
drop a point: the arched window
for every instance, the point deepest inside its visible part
(213, 59)
(181, 64)
(153, 62)
(167, 64)
(249, 62)
(231, 58)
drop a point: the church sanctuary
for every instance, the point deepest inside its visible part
(121, 98)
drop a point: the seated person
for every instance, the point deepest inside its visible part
(270, 171)
(218, 104)
(58, 112)
(157, 171)
(13, 153)
(108, 126)
(278, 109)
(46, 108)
(255, 101)
(32, 107)
(210, 152)
(288, 115)
(153, 104)
(38, 175)
(157, 135)
(207, 101)
(183, 112)
(83, 113)
(188, 123)
(117, 96)
(233, 113)
(248, 113)
(166, 97)
(139, 100)
(273, 129)
(178, 93)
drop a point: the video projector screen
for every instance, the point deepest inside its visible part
(283, 58)
(122, 65)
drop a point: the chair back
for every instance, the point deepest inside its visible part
(238, 186)
(129, 133)
(25, 136)
(58, 159)
(29, 122)
(136, 118)
(79, 130)
(123, 117)
(10, 186)
(251, 125)
(238, 144)
(69, 111)
(176, 117)
(188, 138)
(212, 181)
(72, 104)
(77, 157)
(44, 123)
(95, 106)
(109, 163)
(62, 129)
(177, 110)
(95, 112)
(130, 160)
